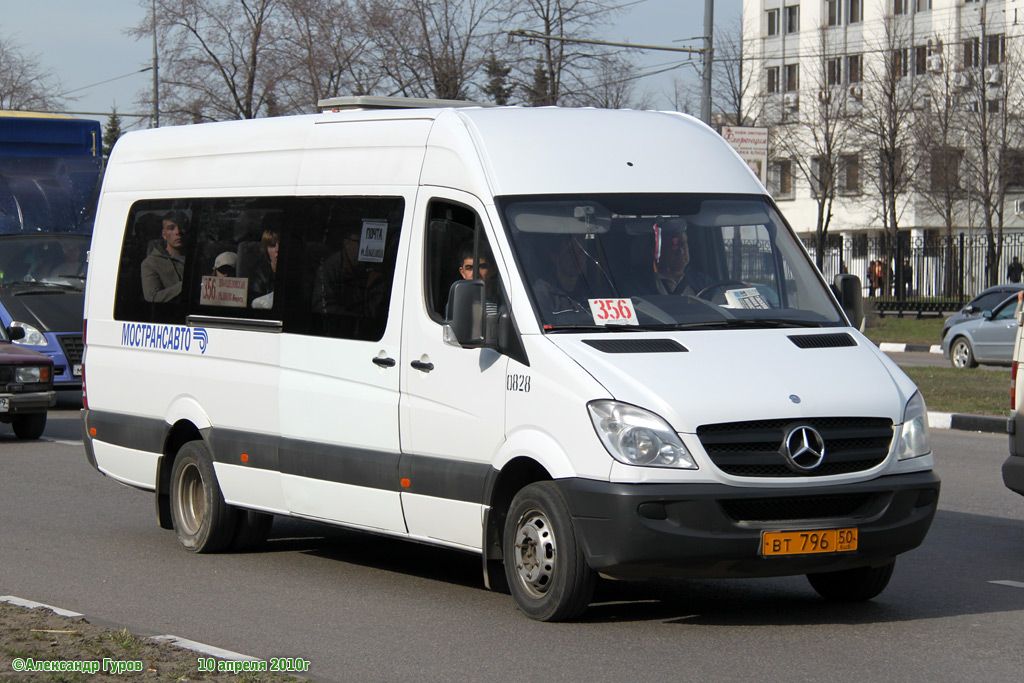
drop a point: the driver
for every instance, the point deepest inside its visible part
(673, 274)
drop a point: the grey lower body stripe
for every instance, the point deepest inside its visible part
(427, 475)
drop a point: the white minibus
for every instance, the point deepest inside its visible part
(578, 343)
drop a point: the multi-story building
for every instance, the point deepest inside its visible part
(896, 122)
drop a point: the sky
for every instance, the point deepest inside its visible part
(84, 44)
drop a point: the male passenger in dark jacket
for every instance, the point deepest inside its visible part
(163, 268)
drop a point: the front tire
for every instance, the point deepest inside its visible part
(961, 354)
(545, 566)
(852, 585)
(203, 522)
(29, 426)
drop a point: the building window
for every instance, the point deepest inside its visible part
(792, 77)
(1011, 168)
(995, 49)
(945, 169)
(921, 59)
(821, 176)
(834, 71)
(924, 5)
(899, 6)
(833, 12)
(856, 11)
(854, 68)
(971, 53)
(781, 178)
(772, 22)
(792, 18)
(900, 62)
(772, 73)
(849, 174)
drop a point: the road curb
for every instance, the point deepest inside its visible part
(892, 347)
(967, 423)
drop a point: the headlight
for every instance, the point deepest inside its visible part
(32, 374)
(33, 337)
(638, 437)
(913, 441)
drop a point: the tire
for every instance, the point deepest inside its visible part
(961, 354)
(203, 522)
(852, 585)
(545, 566)
(29, 426)
(252, 531)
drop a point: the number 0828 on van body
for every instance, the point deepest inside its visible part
(549, 337)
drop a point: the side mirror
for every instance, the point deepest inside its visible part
(15, 333)
(850, 294)
(969, 308)
(466, 307)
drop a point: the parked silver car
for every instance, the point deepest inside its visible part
(987, 300)
(988, 338)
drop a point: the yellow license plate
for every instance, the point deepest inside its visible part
(808, 542)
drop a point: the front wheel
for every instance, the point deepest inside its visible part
(961, 354)
(202, 520)
(29, 426)
(544, 562)
(852, 585)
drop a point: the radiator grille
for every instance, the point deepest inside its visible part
(799, 508)
(755, 449)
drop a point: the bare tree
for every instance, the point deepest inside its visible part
(217, 58)
(24, 83)
(887, 102)
(735, 81)
(325, 53)
(554, 71)
(821, 140)
(432, 48)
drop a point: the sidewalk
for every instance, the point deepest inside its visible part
(969, 423)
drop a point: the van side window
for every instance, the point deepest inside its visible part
(155, 262)
(239, 244)
(323, 266)
(346, 259)
(457, 249)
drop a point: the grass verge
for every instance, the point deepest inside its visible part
(972, 392)
(904, 330)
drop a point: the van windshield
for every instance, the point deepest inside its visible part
(663, 261)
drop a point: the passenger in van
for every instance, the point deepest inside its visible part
(480, 269)
(225, 264)
(163, 268)
(673, 274)
(565, 289)
(261, 285)
(348, 293)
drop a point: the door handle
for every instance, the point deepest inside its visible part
(384, 362)
(420, 365)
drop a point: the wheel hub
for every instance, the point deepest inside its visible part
(535, 553)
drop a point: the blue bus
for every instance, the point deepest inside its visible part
(50, 172)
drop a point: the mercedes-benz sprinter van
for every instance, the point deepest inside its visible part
(575, 342)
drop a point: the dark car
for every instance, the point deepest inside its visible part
(42, 291)
(988, 300)
(26, 386)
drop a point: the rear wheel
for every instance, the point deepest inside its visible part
(961, 354)
(29, 426)
(544, 562)
(202, 520)
(852, 585)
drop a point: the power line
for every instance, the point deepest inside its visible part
(109, 80)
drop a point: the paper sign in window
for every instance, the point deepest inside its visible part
(224, 291)
(371, 243)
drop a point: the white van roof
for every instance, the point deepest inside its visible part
(489, 151)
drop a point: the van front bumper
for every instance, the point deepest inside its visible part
(714, 531)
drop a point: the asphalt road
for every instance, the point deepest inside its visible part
(921, 358)
(365, 608)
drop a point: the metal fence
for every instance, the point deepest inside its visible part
(952, 269)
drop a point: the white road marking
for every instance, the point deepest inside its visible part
(1012, 584)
